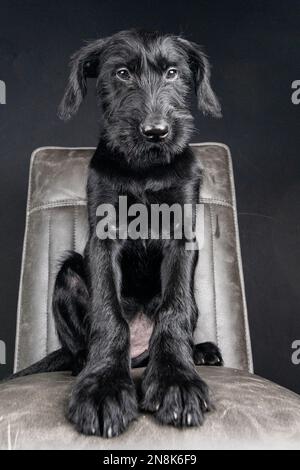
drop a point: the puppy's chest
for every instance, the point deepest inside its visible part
(139, 194)
(149, 198)
(118, 206)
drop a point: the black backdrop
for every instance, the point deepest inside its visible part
(255, 47)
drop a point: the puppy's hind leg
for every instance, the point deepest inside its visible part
(204, 354)
(70, 298)
(70, 301)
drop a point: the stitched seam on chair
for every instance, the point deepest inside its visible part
(48, 289)
(58, 204)
(74, 227)
(229, 176)
(216, 202)
(214, 274)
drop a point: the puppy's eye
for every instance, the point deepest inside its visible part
(123, 74)
(172, 74)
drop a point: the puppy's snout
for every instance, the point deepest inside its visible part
(155, 131)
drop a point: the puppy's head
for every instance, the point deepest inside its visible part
(144, 84)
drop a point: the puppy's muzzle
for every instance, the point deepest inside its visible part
(155, 131)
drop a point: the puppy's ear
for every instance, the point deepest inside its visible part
(84, 64)
(208, 102)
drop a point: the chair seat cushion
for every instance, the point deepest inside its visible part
(251, 412)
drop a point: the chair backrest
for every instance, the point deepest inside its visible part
(56, 221)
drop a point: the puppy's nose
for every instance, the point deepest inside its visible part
(155, 131)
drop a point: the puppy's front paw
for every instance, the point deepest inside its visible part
(102, 407)
(180, 399)
(207, 354)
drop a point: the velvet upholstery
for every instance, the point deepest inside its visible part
(56, 222)
(250, 412)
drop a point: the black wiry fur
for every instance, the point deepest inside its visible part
(96, 295)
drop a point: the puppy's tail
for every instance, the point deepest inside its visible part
(60, 360)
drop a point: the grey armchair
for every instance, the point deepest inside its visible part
(251, 412)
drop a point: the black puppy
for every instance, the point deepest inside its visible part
(121, 290)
